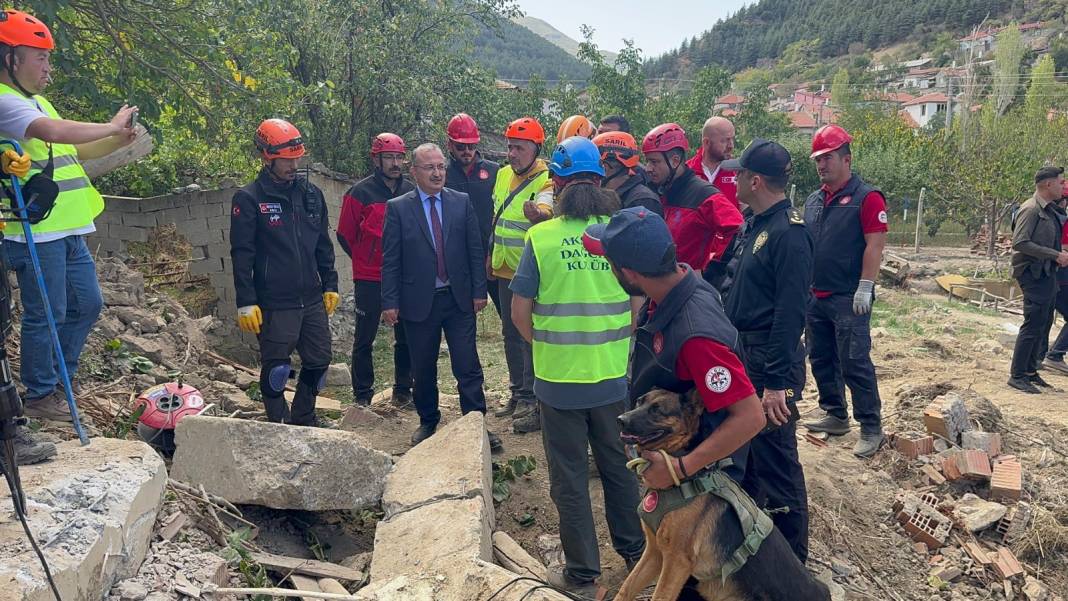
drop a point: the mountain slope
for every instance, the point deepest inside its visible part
(516, 53)
(557, 37)
(764, 30)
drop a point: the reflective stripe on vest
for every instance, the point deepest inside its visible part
(510, 231)
(582, 320)
(78, 202)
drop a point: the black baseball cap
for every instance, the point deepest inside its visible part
(635, 238)
(1048, 172)
(764, 157)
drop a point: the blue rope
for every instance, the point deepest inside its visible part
(17, 187)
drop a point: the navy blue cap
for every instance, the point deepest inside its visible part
(764, 157)
(635, 238)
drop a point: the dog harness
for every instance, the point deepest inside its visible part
(756, 525)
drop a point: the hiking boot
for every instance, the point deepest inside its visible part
(1038, 381)
(52, 406)
(868, 444)
(527, 421)
(1055, 365)
(829, 424)
(401, 399)
(1024, 384)
(496, 446)
(31, 447)
(558, 578)
(424, 432)
(507, 410)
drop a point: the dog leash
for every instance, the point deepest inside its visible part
(640, 464)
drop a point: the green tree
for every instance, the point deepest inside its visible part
(756, 121)
(1045, 92)
(1007, 56)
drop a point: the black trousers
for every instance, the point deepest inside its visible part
(839, 345)
(518, 353)
(1039, 296)
(773, 473)
(424, 343)
(1060, 345)
(368, 317)
(307, 331)
(565, 435)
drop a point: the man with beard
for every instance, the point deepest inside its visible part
(284, 276)
(571, 309)
(473, 175)
(359, 232)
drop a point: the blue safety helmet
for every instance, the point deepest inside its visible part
(576, 155)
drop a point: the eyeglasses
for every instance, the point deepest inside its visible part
(431, 168)
(459, 146)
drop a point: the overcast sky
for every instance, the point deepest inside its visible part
(656, 26)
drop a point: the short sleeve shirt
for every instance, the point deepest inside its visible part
(16, 115)
(715, 370)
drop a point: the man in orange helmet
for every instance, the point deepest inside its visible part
(359, 232)
(847, 219)
(284, 276)
(473, 175)
(522, 197)
(619, 157)
(56, 147)
(701, 219)
(575, 125)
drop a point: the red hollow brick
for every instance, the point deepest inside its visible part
(974, 464)
(1005, 564)
(914, 444)
(1006, 480)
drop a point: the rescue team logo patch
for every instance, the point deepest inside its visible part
(718, 379)
(275, 221)
(729, 179)
(658, 343)
(882, 217)
(845, 200)
(651, 500)
(236, 211)
(483, 174)
(761, 239)
(270, 208)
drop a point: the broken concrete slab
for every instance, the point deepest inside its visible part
(462, 582)
(976, 514)
(509, 555)
(438, 536)
(454, 463)
(356, 416)
(338, 374)
(1034, 590)
(92, 510)
(990, 442)
(947, 417)
(278, 465)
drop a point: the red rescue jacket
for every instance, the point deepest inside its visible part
(359, 228)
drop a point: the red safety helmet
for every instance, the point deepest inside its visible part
(526, 128)
(387, 142)
(663, 138)
(462, 129)
(279, 139)
(618, 145)
(828, 139)
(21, 29)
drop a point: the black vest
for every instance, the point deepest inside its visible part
(838, 236)
(692, 309)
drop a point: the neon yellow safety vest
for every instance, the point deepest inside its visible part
(582, 321)
(510, 232)
(78, 202)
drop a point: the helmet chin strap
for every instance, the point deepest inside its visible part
(621, 172)
(537, 151)
(10, 63)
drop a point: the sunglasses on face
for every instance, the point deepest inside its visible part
(459, 146)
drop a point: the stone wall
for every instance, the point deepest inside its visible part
(203, 219)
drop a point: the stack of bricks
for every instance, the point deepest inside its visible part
(919, 516)
(947, 417)
(913, 444)
(1006, 479)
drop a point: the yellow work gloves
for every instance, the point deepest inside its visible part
(250, 318)
(13, 164)
(330, 301)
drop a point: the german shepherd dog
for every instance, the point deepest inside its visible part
(693, 542)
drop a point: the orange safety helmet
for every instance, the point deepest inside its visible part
(526, 128)
(618, 145)
(575, 125)
(387, 142)
(462, 129)
(21, 29)
(828, 139)
(665, 137)
(279, 139)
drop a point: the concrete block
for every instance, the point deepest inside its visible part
(278, 465)
(1006, 480)
(105, 246)
(139, 219)
(198, 236)
(127, 233)
(205, 266)
(209, 210)
(973, 464)
(439, 536)
(221, 280)
(95, 507)
(221, 223)
(174, 214)
(452, 464)
(198, 252)
(989, 442)
(976, 515)
(220, 250)
(947, 417)
(913, 444)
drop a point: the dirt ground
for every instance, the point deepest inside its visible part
(924, 345)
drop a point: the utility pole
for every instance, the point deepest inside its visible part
(919, 220)
(949, 105)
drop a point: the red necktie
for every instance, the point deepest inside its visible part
(439, 241)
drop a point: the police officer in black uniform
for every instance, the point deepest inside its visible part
(284, 274)
(767, 304)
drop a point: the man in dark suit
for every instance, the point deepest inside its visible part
(433, 278)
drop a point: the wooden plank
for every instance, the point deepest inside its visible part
(329, 585)
(322, 403)
(306, 583)
(308, 567)
(174, 524)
